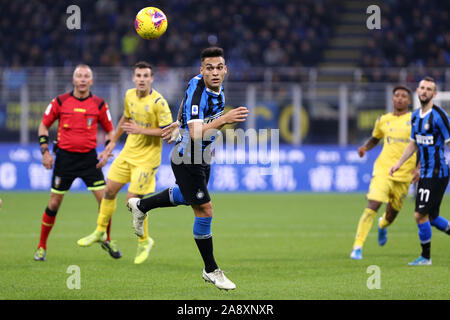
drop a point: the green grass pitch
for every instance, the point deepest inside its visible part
(273, 246)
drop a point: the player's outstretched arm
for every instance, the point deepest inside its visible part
(113, 136)
(409, 151)
(47, 159)
(370, 144)
(107, 152)
(197, 129)
(416, 173)
(171, 132)
(131, 127)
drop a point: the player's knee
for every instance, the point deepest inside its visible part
(420, 218)
(373, 205)
(54, 203)
(109, 194)
(203, 210)
(391, 214)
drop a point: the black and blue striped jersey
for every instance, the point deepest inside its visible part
(431, 131)
(199, 104)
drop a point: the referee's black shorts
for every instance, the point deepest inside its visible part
(72, 165)
(193, 182)
(430, 192)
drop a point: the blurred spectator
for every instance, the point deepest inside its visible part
(252, 32)
(15, 77)
(414, 33)
(273, 55)
(262, 32)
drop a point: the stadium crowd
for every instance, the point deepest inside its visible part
(253, 33)
(256, 32)
(414, 33)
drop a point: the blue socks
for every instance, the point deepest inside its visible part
(176, 197)
(203, 239)
(425, 232)
(202, 228)
(425, 238)
(441, 224)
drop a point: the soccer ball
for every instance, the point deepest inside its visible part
(150, 23)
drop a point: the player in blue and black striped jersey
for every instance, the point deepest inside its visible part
(203, 105)
(430, 132)
(201, 116)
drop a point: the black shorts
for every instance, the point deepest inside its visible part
(193, 182)
(72, 165)
(430, 192)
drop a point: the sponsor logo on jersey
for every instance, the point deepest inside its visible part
(427, 140)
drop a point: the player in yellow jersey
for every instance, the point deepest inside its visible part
(395, 130)
(146, 113)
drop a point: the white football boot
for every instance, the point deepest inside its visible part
(138, 216)
(218, 278)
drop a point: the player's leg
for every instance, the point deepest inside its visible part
(169, 197)
(107, 207)
(108, 204)
(62, 179)
(397, 196)
(99, 194)
(203, 238)
(143, 182)
(425, 232)
(192, 181)
(425, 198)
(48, 220)
(145, 242)
(118, 175)
(378, 193)
(436, 220)
(195, 191)
(108, 245)
(365, 222)
(364, 226)
(139, 208)
(441, 224)
(385, 221)
(203, 235)
(388, 216)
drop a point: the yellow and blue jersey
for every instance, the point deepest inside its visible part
(151, 111)
(395, 132)
(431, 131)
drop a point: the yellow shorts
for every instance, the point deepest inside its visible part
(142, 179)
(385, 190)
